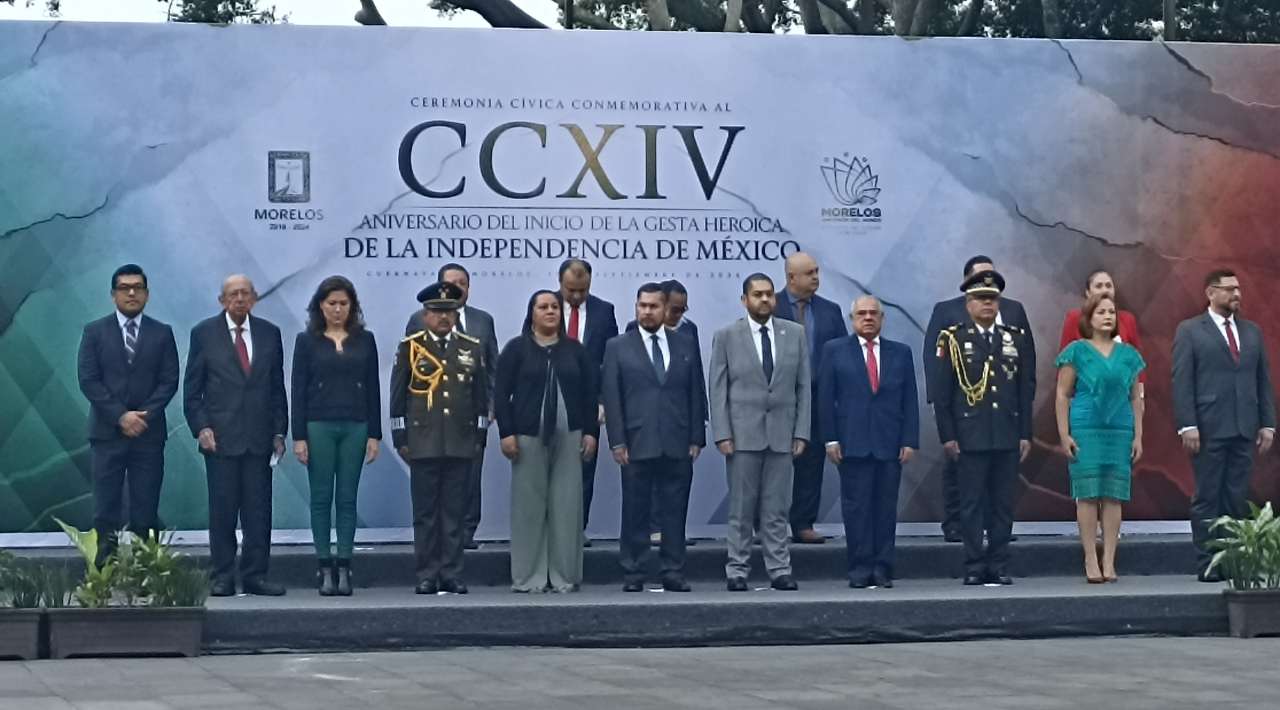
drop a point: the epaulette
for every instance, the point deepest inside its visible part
(464, 336)
(418, 334)
(953, 328)
(1011, 328)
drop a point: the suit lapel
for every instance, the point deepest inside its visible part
(642, 351)
(860, 358)
(748, 345)
(1211, 329)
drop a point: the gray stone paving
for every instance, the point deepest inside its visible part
(1128, 673)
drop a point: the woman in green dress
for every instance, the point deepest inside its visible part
(1099, 408)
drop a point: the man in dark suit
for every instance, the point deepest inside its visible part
(677, 306)
(984, 422)
(128, 370)
(822, 322)
(478, 324)
(872, 422)
(948, 313)
(234, 401)
(1223, 406)
(654, 399)
(590, 321)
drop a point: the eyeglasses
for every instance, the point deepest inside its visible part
(131, 288)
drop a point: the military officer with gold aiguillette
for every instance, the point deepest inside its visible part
(984, 421)
(439, 404)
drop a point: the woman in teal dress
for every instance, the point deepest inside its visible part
(1099, 408)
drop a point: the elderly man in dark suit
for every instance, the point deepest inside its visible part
(1223, 406)
(872, 420)
(234, 401)
(655, 403)
(591, 321)
(478, 324)
(823, 322)
(945, 314)
(128, 370)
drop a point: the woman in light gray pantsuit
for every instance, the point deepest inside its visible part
(545, 402)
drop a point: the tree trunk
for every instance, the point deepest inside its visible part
(923, 15)
(752, 20)
(1052, 18)
(702, 16)
(499, 13)
(902, 13)
(733, 16)
(866, 17)
(971, 16)
(838, 17)
(811, 18)
(659, 16)
(1171, 19)
(368, 14)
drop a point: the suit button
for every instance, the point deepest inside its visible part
(995, 405)
(446, 412)
(446, 394)
(445, 378)
(994, 388)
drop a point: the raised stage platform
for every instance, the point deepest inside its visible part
(1156, 594)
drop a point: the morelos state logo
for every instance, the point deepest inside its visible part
(852, 184)
(288, 176)
(288, 182)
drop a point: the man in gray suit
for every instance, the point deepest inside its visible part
(760, 419)
(478, 324)
(1223, 406)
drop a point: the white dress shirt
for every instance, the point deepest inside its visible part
(662, 345)
(462, 319)
(123, 320)
(582, 320)
(248, 341)
(755, 338)
(1221, 323)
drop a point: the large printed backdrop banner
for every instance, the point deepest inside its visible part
(293, 153)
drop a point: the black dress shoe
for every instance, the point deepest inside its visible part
(426, 586)
(223, 588)
(343, 581)
(586, 542)
(633, 585)
(471, 545)
(453, 586)
(999, 578)
(973, 579)
(880, 579)
(676, 584)
(736, 584)
(263, 588)
(784, 583)
(1212, 577)
(1013, 538)
(859, 582)
(952, 536)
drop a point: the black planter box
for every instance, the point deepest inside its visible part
(20, 633)
(1253, 612)
(125, 631)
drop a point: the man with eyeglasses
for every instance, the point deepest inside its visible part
(128, 370)
(1223, 407)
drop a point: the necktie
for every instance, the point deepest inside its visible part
(873, 368)
(990, 343)
(801, 305)
(573, 324)
(462, 327)
(659, 364)
(242, 349)
(130, 339)
(549, 393)
(1231, 341)
(766, 353)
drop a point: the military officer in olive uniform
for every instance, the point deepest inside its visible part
(439, 403)
(984, 420)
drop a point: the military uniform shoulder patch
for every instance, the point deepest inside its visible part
(414, 336)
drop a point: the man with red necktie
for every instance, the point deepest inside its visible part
(871, 418)
(588, 320)
(1223, 406)
(234, 400)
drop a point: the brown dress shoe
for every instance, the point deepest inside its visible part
(808, 536)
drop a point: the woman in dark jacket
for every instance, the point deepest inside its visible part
(545, 400)
(337, 420)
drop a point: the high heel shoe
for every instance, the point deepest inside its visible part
(1093, 579)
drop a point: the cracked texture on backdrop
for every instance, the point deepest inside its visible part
(58, 216)
(31, 63)
(1208, 80)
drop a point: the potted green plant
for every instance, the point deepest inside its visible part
(19, 611)
(1248, 555)
(146, 599)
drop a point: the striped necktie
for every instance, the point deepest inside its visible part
(130, 339)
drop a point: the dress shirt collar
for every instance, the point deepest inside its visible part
(1220, 320)
(755, 327)
(122, 319)
(646, 335)
(231, 325)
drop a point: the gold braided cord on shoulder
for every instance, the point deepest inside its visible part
(420, 384)
(973, 392)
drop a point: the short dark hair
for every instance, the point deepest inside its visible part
(128, 270)
(1086, 316)
(1217, 275)
(315, 317)
(651, 287)
(1088, 280)
(452, 267)
(757, 276)
(671, 286)
(570, 263)
(977, 259)
(527, 328)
